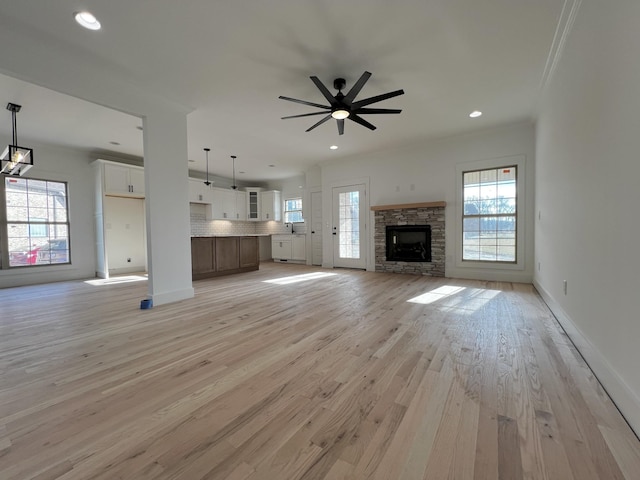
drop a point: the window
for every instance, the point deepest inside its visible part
(293, 210)
(489, 215)
(36, 222)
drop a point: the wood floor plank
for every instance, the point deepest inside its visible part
(346, 376)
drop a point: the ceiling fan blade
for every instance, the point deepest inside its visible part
(340, 126)
(355, 90)
(319, 123)
(324, 90)
(303, 115)
(377, 98)
(361, 111)
(304, 102)
(361, 121)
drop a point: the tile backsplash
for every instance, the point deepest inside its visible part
(201, 227)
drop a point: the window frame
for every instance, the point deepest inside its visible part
(5, 263)
(495, 216)
(285, 211)
(518, 161)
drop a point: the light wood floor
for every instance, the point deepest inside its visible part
(329, 377)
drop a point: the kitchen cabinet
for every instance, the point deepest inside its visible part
(202, 255)
(119, 217)
(199, 192)
(253, 203)
(123, 180)
(281, 247)
(271, 203)
(227, 253)
(298, 247)
(249, 252)
(241, 205)
(215, 256)
(288, 247)
(229, 204)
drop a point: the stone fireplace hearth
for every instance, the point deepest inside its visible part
(431, 214)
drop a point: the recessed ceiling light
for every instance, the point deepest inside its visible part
(87, 20)
(139, 128)
(114, 143)
(333, 147)
(272, 165)
(475, 114)
(192, 161)
(241, 171)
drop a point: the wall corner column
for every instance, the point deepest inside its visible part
(167, 206)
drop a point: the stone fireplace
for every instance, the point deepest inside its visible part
(414, 228)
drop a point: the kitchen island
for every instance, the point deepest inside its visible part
(223, 255)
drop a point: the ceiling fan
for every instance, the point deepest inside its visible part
(343, 106)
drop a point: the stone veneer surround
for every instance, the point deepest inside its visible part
(411, 214)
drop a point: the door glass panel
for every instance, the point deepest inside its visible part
(349, 218)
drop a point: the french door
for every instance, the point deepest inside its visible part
(349, 237)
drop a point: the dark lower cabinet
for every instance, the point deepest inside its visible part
(214, 256)
(249, 252)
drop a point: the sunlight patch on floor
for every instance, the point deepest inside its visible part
(436, 294)
(300, 278)
(458, 298)
(115, 280)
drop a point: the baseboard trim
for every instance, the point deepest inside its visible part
(622, 396)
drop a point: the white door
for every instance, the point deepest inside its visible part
(316, 228)
(348, 230)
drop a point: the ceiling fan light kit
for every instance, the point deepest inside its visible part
(343, 106)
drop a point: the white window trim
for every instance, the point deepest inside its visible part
(519, 161)
(284, 208)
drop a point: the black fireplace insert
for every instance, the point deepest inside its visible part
(409, 243)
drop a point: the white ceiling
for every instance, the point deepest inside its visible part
(228, 62)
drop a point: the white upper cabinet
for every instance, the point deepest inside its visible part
(241, 205)
(254, 212)
(123, 180)
(199, 192)
(271, 205)
(229, 204)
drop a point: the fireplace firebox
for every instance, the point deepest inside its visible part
(409, 243)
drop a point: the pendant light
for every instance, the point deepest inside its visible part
(233, 159)
(206, 152)
(15, 160)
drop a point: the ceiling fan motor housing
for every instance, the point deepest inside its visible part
(343, 106)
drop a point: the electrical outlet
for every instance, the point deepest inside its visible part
(564, 286)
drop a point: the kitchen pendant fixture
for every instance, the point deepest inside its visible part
(15, 160)
(233, 159)
(206, 152)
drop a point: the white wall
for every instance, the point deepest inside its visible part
(72, 166)
(426, 172)
(587, 172)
